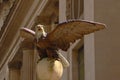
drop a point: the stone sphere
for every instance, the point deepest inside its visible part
(49, 69)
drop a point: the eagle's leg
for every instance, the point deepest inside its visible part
(52, 54)
(49, 54)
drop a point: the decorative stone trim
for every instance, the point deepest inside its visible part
(5, 6)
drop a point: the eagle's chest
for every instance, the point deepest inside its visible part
(43, 43)
(49, 69)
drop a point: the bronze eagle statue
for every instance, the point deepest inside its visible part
(61, 37)
(48, 44)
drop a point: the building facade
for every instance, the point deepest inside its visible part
(96, 57)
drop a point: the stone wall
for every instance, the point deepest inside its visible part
(107, 42)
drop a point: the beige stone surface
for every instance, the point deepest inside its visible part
(107, 42)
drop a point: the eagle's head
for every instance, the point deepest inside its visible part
(39, 31)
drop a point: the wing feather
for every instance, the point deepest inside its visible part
(27, 33)
(69, 32)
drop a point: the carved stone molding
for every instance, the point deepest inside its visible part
(5, 6)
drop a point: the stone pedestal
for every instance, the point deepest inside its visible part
(27, 67)
(27, 70)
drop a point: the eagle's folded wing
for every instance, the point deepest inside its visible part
(27, 33)
(69, 32)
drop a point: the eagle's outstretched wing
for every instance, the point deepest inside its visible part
(27, 33)
(67, 32)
